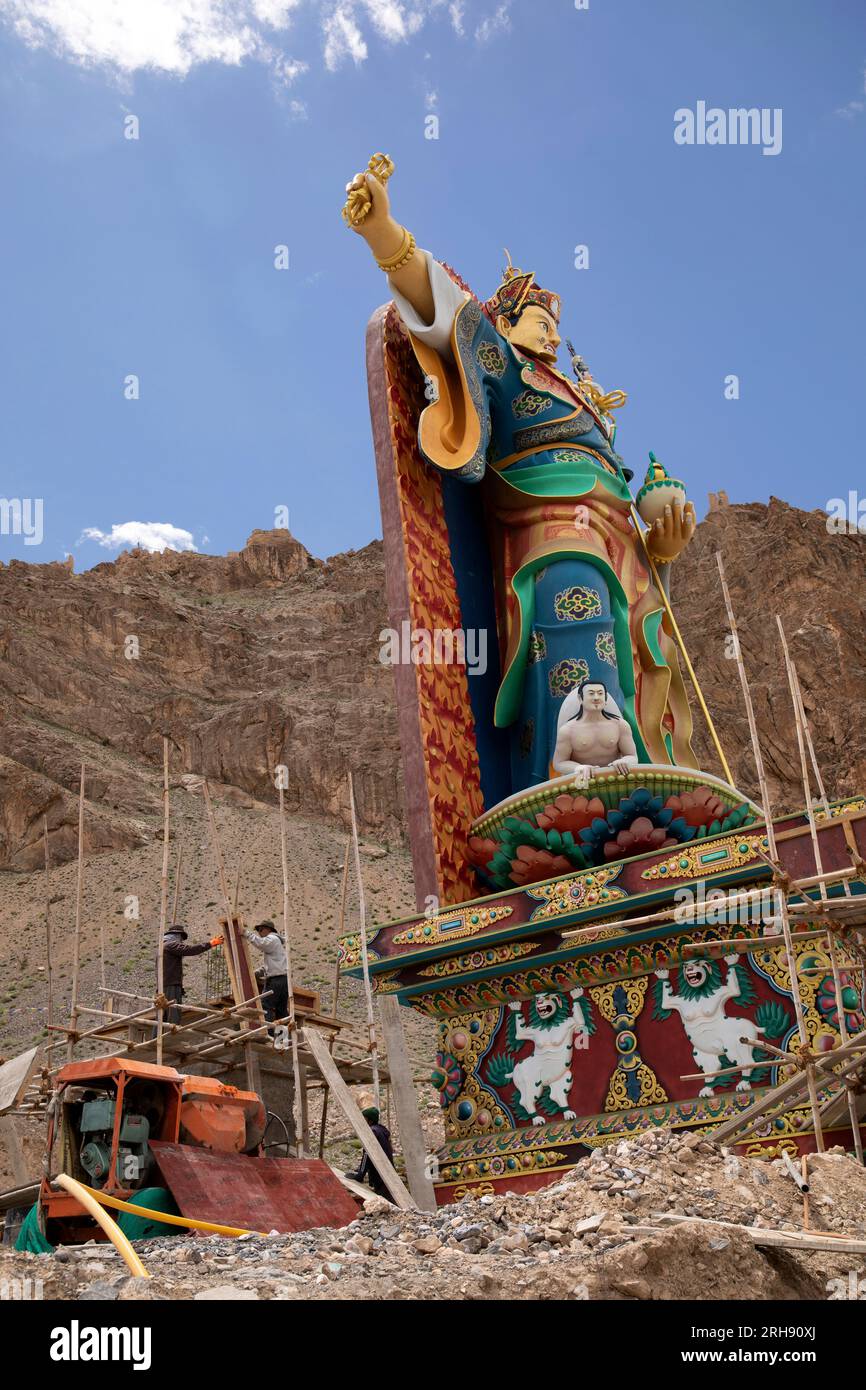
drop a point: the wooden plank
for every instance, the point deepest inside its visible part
(412, 1139)
(343, 1096)
(19, 1196)
(790, 1240)
(14, 1076)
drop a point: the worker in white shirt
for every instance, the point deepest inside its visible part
(266, 939)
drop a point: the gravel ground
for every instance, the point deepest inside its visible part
(582, 1238)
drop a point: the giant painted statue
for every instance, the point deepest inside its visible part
(557, 816)
(547, 553)
(575, 595)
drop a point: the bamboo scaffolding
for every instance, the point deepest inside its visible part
(819, 865)
(252, 1079)
(49, 967)
(323, 1123)
(177, 868)
(804, 1169)
(727, 1071)
(782, 1097)
(163, 903)
(365, 962)
(172, 1030)
(79, 882)
(680, 641)
(681, 916)
(298, 1097)
(781, 899)
(223, 882)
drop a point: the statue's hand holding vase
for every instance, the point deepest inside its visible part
(671, 532)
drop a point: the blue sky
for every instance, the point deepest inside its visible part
(155, 256)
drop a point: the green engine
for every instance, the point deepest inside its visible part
(133, 1152)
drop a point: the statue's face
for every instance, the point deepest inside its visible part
(546, 1004)
(534, 332)
(594, 697)
(695, 974)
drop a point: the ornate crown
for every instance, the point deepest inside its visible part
(517, 291)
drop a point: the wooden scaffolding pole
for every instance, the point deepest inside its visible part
(343, 1096)
(49, 963)
(177, 868)
(163, 905)
(299, 1099)
(819, 865)
(76, 950)
(780, 896)
(412, 1140)
(323, 1126)
(250, 1061)
(365, 962)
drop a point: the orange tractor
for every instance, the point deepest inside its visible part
(188, 1146)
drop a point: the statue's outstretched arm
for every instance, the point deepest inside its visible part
(394, 248)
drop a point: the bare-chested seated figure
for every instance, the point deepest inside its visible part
(596, 738)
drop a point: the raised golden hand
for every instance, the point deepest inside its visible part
(368, 212)
(362, 191)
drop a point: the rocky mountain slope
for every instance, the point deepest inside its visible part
(779, 560)
(270, 655)
(263, 657)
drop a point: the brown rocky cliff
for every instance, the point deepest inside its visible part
(262, 657)
(269, 655)
(779, 560)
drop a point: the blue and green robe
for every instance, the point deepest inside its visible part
(574, 595)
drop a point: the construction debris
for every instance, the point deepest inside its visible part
(656, 1217)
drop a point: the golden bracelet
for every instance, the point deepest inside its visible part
(401, 257)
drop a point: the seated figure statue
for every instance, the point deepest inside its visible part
(594, 739)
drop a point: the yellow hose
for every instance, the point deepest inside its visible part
(88, 1200)
(117, 1205)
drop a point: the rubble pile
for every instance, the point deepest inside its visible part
(596, 1234)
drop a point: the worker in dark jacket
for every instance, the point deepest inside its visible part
(368, 1172)
(173, 953)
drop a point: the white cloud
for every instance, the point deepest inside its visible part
(855, 107)
(497, 23)
(343, 38)
(389, 19)
(274, 12)
(147, 535)
(175, 36)
(171, 36)
(287, 70)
